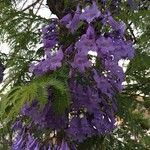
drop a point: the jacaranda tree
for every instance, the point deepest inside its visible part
(62, 83)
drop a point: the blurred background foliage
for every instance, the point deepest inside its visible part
(20, 25)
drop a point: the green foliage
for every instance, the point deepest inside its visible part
(12, 102)
(21, 31)
(93, 143)
(138, 72)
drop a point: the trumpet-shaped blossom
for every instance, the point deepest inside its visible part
(51, 63)
(119, 27)
(81, 62)
(72, 22)
(64, 146)
(90, 13)
(75, 20)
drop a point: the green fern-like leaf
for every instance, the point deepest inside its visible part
(36, 89)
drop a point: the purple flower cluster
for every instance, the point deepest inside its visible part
(53, 58)
(27, 141)
(92, 85)
(46, 118)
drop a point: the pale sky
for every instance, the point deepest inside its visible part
(43, 12)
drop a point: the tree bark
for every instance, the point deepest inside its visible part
(56, 7)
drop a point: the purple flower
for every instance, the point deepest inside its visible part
(17, 125)
(103, 2)
(19, 142)
(81, 62)
(115, 73)
(105, 45)
(90, 32)
(87, 42)
(50, 37)
(117, 26)
(132, 4)
(84, 45)
(37, 147)
(72, 23)
(31, 142)
(130, 52)
(75, 21)
(50, 63)
(64, 146)
(86, 97)
(105, 17)
(103, 84)
(74, 131)
(90, 13)
(56, 59)
(69, 50)
(86, 128)
(66, 19)
(29, 109)
(49, 43)
(103, 123)
(123, 49)
(56, 147)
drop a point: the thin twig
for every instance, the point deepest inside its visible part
(129, 25)
(132, 33)
(39, 7)
(24, 4)
(33, 4)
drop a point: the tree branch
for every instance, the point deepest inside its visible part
(39, 6)
(56, 7)
(24, 4)
(33, 4)
(129, 25)
(132, 33)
